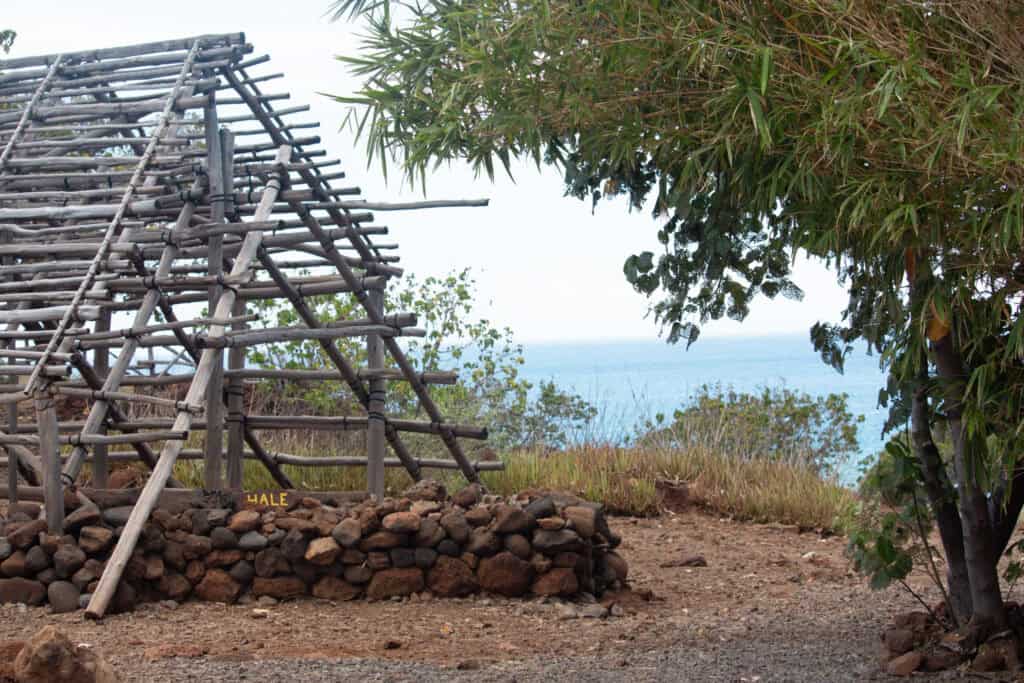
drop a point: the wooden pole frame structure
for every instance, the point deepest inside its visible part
(127, 201)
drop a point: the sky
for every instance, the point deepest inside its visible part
(546, 265)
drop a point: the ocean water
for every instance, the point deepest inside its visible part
(631, 381)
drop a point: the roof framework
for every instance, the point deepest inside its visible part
(136, 182)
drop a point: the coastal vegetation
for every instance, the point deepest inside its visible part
(884, 138)
(769, 456)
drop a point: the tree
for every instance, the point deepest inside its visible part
(884, 137)
(490, 390)
(7, 37)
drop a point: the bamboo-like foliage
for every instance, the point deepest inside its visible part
(886, 137)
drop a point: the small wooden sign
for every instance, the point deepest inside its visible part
(265, 499)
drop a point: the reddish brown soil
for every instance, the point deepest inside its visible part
(764, 587)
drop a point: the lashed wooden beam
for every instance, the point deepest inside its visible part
(197, 391)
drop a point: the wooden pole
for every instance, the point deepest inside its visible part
(158, 479)
(49, 450)
(375, 425)
(236, 355)
(101, 363)
(12, 415)
(213, 464)
(115, 224)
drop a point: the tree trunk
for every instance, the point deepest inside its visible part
(986, 597)
(942, 499)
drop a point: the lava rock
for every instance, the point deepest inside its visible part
(281, 587)
(505, 574)
(553, 542)
(468, 496)
(95, 539)
(560, 581)
(26, 534)
(63, 596)
(509, 519)
(452, 578)
(449, 547)
(243, 521)
(117, 516)
(36, 560)
(424, 557)
(426, 489)
(395, 582)
(86, 515)
(402, 557)
(358, 573)
(402, 522)
(518, 545)
(22, 590)
(322, 551)
(455, 524)
(332, 588)
(347, 533)
(252, 541)
(49, 657)
(430, 534)
(218, 586)
(68, 560)
(541, 508)
(222, 538)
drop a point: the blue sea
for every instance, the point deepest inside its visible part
(631, 381)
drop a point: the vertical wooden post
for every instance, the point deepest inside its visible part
(49, 452)
(213, 461)
(12, 453)
(375, 425)
(236, 355)
(101, 363)
(12, 410)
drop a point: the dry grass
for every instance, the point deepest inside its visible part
(623, 479)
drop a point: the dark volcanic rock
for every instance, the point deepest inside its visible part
(63, 596)
(390, 583)
(332, 588)
(553, 542)
(223, 538)
(451, 578)
(282, 587)
(505, 574)
(22, 590)
(542, 507)
(36, 560)
(218, 586)
(68, 560)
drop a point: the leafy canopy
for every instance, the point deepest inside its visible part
(846, 129)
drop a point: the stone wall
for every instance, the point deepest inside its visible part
(422, 542)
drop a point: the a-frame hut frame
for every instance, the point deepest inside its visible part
(127, 201)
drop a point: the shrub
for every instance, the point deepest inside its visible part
(775, 424)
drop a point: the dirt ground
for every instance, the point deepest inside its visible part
(771, 604)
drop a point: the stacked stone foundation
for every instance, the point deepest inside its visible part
(421, 542)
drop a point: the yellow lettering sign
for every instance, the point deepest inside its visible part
(278, 499)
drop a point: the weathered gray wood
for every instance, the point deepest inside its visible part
(49, 450)
(29, 111)
(375, 410)
(101, 362)
(147, 500)
(115, 223)
(236, 356)
(229, 39)
(213, 464)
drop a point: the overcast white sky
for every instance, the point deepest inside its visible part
(546, 266)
